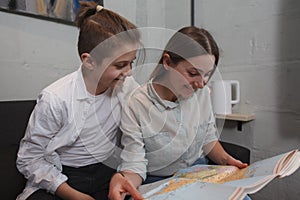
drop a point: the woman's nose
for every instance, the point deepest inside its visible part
(199, 82)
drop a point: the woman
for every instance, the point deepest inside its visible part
(168, 123)
(72, 132)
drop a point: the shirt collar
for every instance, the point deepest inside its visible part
(160, 103)
(82, 93)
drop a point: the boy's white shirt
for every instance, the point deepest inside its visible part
(57, 121)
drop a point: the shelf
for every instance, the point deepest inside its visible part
(237, 117)
(240, 118)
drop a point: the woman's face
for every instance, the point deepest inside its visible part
(189, 75)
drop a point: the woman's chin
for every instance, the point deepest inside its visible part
(185, 95)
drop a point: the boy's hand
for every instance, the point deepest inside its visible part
(120, 186)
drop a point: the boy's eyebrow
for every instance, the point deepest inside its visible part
(125, 60)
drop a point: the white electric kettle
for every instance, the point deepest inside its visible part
(222, 95)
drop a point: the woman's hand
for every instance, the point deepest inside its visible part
(235, 162)
(217, 154)
(121, 185)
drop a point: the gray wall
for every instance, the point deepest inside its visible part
(172, 14)
(157, 20)
(260, 48)
(33, 53)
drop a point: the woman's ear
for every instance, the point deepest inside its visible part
(166, 61)
(87, 61)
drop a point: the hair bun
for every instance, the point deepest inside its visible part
(99, 8)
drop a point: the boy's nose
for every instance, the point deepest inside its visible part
(129, 72)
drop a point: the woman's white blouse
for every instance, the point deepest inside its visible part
(160, 137)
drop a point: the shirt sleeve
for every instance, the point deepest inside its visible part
(133, 153)
(45, 121)
(212, 131)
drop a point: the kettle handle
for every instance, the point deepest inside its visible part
(235, 84)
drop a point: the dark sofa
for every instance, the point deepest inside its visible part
(14, 116)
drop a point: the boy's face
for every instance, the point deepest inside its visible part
(114, 69)
(116, 72)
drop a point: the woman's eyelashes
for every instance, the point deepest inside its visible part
(194, 73)
(123, 64)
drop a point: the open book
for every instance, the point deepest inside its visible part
(222, 182)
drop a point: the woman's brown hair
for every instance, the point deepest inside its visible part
(186, 43)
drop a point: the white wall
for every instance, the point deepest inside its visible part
(260, 48)
(33, 53)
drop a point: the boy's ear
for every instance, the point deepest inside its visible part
(87, 61)
(166, 61)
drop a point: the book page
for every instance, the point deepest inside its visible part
(262, 172)
(253, 184)
(269, 166)
(231, 182)
(190, 189)
(211, 173)
(289, 164)
(295, 166)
